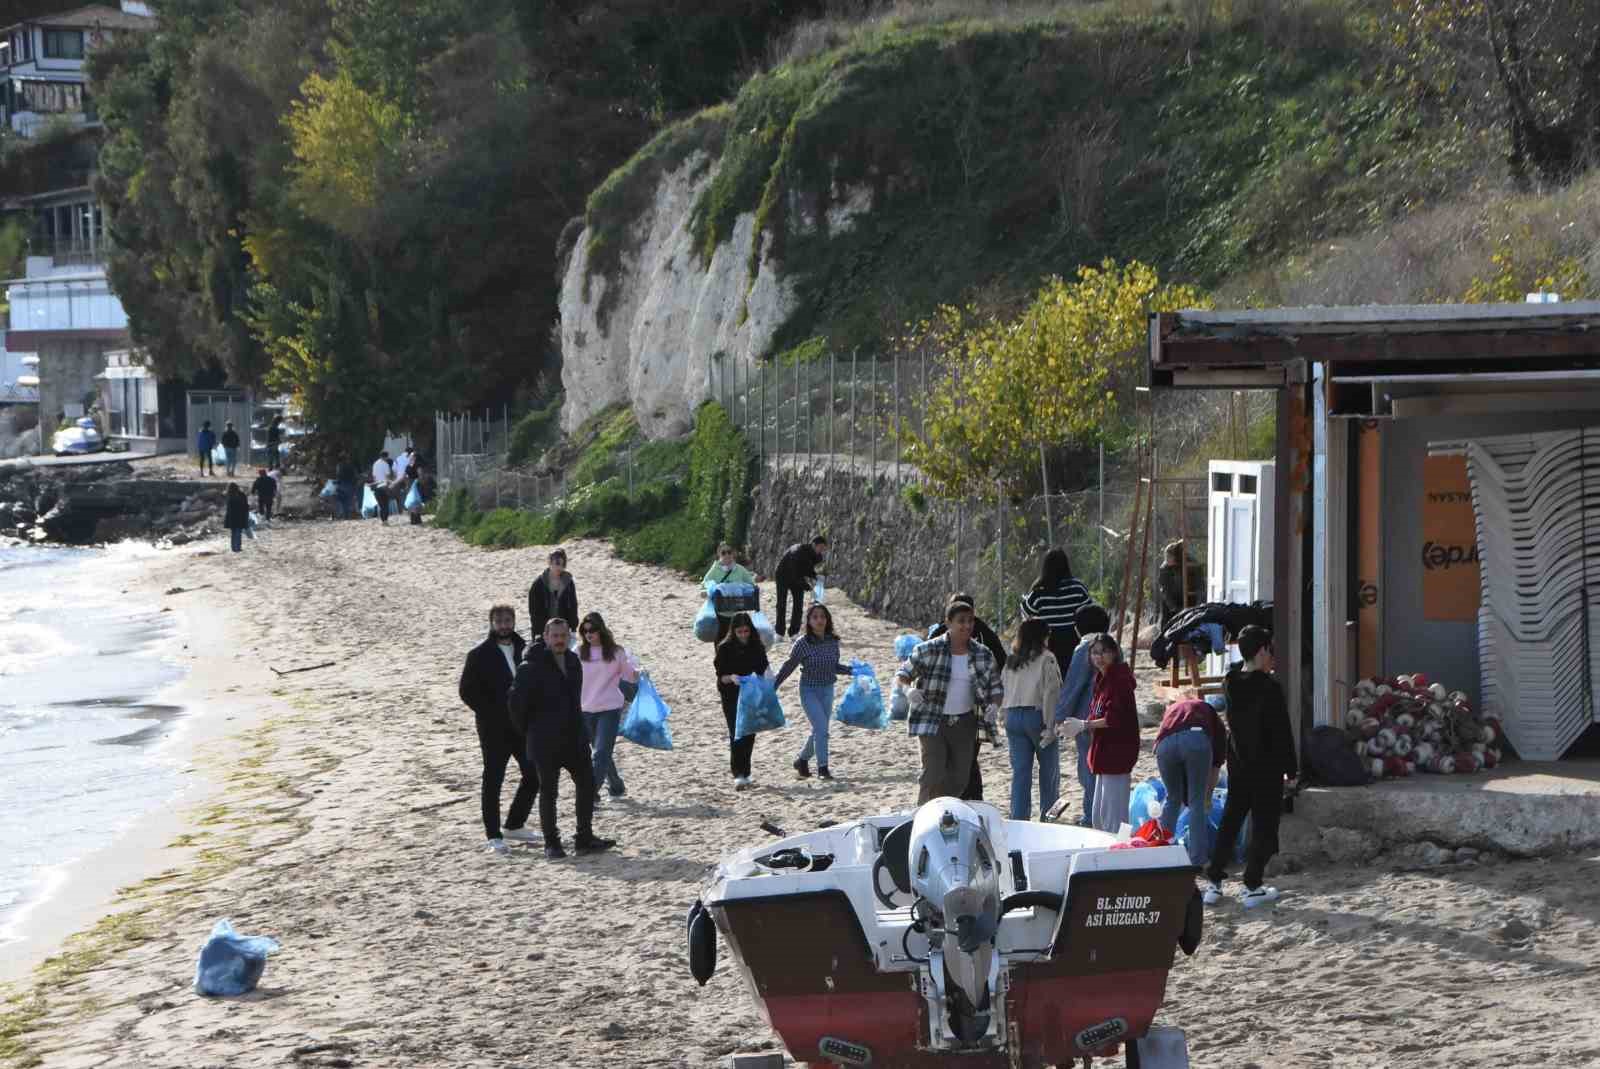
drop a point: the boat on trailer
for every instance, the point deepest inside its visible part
(953, 936)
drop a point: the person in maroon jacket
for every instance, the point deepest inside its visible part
(1114, 746)
(1191, 746)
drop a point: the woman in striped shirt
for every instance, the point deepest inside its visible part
(816, 654)
(1056, 599)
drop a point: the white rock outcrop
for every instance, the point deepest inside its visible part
(673, 325)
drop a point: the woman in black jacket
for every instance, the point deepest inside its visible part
(553, 594)
(236, 515)
(740, 653)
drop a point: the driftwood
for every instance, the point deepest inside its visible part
(307, 668)
(438, 805)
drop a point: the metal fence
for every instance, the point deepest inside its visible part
(851, 416)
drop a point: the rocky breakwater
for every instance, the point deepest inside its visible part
(105, 502)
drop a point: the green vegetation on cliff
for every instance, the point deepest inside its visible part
(682, 499)
(999, 151)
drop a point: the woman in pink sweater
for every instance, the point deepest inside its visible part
(606, 666)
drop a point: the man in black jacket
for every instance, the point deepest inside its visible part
(553, 596)
(545, 704)
(797, 570)
(485, 682)
(1261, 756)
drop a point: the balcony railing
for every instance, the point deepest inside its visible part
(72, 252)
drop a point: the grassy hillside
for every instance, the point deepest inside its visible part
(1000, 150)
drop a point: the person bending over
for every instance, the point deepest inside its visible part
(797, 570)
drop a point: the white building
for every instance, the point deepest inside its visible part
(62, 308)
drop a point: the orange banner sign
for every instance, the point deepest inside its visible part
(1450, 575)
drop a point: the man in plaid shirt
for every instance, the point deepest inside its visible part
(956, 680)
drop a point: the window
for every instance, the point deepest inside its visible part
(63, 44)
(49, 97)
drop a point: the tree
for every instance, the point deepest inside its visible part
(1535, 63)
(1046, 378)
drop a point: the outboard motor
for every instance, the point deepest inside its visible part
(956, 879)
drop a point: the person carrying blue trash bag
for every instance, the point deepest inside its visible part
(862, 705)
(726, 569)
(816, 654)
(230, 963)
(742, 656)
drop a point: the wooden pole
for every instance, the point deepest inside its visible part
(1144, 563)
(1127, 558)
(1044, 476)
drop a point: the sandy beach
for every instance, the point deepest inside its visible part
(340, 816)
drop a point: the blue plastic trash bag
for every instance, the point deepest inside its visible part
(705, 622)
(861, 705)
(230, 963)
(1219, 798)
(904, 645)
(413, 497)
(646, 722)
(329, 489)
(764, 628)
(759, 708)
(899, 703)
(369, 502)
(1146, 803)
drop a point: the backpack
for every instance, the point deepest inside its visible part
(1332, 761)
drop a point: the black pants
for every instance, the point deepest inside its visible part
(974, 791)
(1262, 802)
(264, 504)
(382, 494)
(739, 750)
(571, 752)
(797, 591)
(499, 742)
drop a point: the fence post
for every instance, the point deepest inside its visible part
(833, 360)
(763, 450)
(897, 421)
(956, 556)
(923, 409)
(1102, 519)
(811, 424)
(1000, 556)
(855, 355)
(874, 419)
(794, 428)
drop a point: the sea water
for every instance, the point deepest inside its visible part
(84, 737)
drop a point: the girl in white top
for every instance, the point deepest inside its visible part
(1032, 681)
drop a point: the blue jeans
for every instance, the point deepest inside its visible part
(817, 700)
(1085, 777)
(1185, 763)
(603, 737)
(238, 537)
(1024, 725)
(231, 458)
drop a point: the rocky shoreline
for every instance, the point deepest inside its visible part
(79, 504)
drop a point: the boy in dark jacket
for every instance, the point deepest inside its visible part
(485, 682)
(266, 489)
(1260, 757)
(797, 570)
(546, 707)
(553, 596)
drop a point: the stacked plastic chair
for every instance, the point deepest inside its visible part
(1538, 533)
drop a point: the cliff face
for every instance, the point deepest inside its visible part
(648, 332)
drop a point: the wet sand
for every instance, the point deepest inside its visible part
(347, 827)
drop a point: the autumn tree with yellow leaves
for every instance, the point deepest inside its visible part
(1060, 373)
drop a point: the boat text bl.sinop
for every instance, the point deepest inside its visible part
(953, 937)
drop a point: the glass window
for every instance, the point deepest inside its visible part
(149, 408)
(63, 44)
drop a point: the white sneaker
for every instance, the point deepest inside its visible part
(1261, 896)
(1212, 894)
(499, 846)
(741, 783)
(523, 835)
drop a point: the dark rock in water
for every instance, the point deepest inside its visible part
(100, 502)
